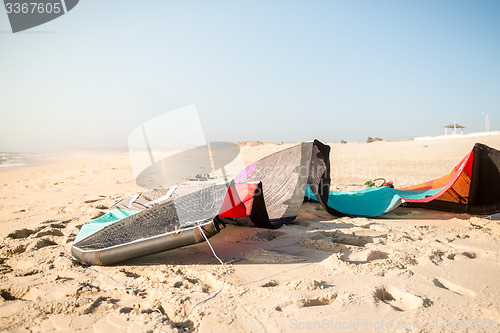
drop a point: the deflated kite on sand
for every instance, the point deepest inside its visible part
(269, 193)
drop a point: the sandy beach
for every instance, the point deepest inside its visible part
(412, 270)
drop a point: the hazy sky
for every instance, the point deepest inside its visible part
(256, 70)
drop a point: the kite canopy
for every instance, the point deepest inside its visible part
(471, 187)
(269, 193)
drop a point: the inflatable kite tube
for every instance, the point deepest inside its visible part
(160, 243)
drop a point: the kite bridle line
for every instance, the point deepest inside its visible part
(223, 281)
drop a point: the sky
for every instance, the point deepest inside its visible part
(256, 70)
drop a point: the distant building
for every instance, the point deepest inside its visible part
(454, 127)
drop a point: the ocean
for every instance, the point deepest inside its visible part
(12, 160)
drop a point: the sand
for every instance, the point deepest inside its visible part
(413, 270)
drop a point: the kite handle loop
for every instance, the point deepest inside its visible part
(372, 183)
(223, 281)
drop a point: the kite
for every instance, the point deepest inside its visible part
(268, 194)
(471, 187)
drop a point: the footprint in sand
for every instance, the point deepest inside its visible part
(16, 249)
(270, 284)
(347, 239)
(4, 268)
(319, 242)
(335, 241)
(49, 232)
(305, 284)
(262, 256)
(92, 200)
(57, 224)
(471, 255)
(437, 257)
(23, 233)
(399, 300)
(130, 274)
(350, 248)
(13, 293)
(41, 243)
(445, 284)
(27, 272)
(364, 257)
(44, 235)
(318, 301)
(254, 235)
(464, 255)
(87, 289)
(358, 238)
(308, 302)
(39, 231)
